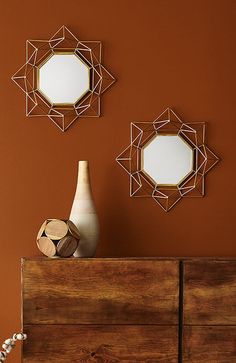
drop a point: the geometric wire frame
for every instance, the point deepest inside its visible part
(143, 186)
(36, 53)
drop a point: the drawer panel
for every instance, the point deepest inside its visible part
(212, 344)
(100, 291)
(210, 292)
(101, 343)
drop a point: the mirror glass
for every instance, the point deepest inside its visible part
(63, 79)
(167, 159)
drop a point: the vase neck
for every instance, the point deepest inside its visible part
(83, 172)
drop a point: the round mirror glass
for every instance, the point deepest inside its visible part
(167, 159)
(63, 79)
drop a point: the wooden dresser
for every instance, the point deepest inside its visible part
(129, 310)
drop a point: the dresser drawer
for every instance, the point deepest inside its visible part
(209, 344)
(101, 343)
(210, 292)
(209, 311)
(100, 291)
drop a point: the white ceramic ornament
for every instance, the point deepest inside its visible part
(9, 344)
(83, 214)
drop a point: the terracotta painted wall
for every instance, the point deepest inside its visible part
(163, 53)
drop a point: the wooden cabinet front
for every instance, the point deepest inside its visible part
(209, 344)
(129, 310)
(101, 343)
(209, 311)
(101, 310)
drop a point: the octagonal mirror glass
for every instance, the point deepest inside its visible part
(167, 159)
(63, 79)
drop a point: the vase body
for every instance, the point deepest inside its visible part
(83, 214)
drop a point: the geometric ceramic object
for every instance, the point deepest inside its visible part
(63, 78)
(58, 238)
(83, 213)
(167, 159)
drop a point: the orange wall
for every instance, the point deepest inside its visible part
(163, 53)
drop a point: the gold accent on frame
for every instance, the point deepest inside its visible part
(37, 103)
(142, 185)
(160, 184)
(62, 105)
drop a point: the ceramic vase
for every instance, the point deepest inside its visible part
(83, 214)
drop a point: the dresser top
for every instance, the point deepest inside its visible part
(100, 259)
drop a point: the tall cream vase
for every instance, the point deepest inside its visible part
(83, 214)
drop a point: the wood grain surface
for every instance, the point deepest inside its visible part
(56, 229)
(46, 246)
(209, 344)
(67, 246)
(210, 293)
(97, 291)
(101, 343)
(73, 229)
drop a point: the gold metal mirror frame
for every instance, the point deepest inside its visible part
(66, 105)
(37, 52)
(167, 184)
(141, 185)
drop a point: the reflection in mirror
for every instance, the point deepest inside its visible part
(167, 159)
(63, 79)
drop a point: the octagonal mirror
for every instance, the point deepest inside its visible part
(63, 79)
(167, 159)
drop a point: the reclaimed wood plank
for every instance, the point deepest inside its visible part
(77, 291)
(101, 343)
(209, 344)
(210, 293)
